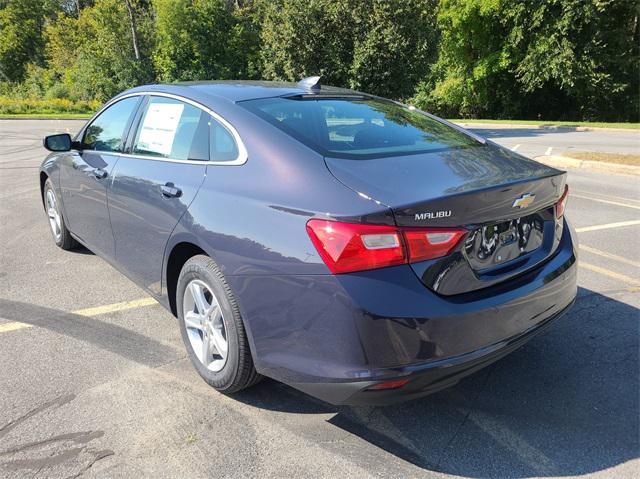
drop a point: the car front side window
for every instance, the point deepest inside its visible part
(172, 129)
(105, 133)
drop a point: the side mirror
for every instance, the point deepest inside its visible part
(61, 142)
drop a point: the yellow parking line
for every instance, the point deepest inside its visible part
(13, 326)
(607, 226)
(110, 308)
(614, 257)
(609, 202)
(612, 274)
(107, 308)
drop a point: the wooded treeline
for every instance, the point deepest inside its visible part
(528, 59)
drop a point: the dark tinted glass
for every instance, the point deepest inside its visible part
(223, 145)
(358, 128)
(106, 131)
(172, 129)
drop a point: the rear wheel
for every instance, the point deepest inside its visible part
(61, 234)
(211, 327)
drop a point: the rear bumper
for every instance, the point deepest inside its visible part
(334, 336)
(424, 379)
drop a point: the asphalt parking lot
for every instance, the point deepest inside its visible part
(94, 380)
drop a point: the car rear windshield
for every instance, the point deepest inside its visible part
(358, 128)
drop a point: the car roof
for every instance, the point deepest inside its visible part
(239, 90)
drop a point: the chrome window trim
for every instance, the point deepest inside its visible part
(241, 159)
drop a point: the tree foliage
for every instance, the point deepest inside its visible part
(548, 59)
(21, 39)
(536, 58)
(382, 46)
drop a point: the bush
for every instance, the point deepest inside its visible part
(56, 105)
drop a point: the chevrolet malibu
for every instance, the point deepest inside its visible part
(357, 249)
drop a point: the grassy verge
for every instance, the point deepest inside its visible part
(54, 108)
(620, 159)
(569, 124)
(37, 116)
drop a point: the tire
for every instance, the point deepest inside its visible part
(61, 235)
(230, 372)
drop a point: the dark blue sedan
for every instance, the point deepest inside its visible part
(352, 247)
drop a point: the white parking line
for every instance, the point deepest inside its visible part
(607, 226)
(609, 202)
(548, 152)
(515, 148)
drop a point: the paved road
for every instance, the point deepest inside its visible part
(94, 378)
(534, 142)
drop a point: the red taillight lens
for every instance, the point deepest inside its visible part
(348, 247)
(562, 202)
(431, 243)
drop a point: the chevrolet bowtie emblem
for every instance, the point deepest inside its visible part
(524, 201)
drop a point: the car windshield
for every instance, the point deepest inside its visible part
(358, 128)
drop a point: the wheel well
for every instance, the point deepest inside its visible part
(180, 254)
(43, 180)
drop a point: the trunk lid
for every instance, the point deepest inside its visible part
(504, 200)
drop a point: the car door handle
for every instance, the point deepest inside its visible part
(170, 190)
(100, 174)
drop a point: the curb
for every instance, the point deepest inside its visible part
(514, 126)
(562, 162)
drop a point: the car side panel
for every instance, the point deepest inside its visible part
(142, 218)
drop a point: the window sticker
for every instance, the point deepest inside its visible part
(159, 128)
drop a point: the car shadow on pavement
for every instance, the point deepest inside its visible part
(565, 404)
(105, 335)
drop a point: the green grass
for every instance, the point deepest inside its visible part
(61, 116)
(569, 124)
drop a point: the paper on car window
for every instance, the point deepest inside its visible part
(159, 127)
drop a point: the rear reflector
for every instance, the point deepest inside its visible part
(391, 384)
(562, 202)
(348, 247)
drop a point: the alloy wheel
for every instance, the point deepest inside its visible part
(205, 325)
(54, 215)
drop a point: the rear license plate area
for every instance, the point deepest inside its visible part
(498, 243)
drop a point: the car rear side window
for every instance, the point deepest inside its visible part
(172, 129)
(223, 145)
(106, 131)
(357, 127)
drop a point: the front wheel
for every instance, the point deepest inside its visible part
(211, 327)
(61, 234)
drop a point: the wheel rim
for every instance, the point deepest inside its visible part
(205, 325)
(54, 215)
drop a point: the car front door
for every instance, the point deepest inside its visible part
(86, 171)
(154, 183)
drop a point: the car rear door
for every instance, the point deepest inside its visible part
(155, 181)
(85, 173)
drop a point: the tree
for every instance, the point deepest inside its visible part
(553, 59)
(381, 46)
(202, 39)
(21, 37)
(395, 44)
(95, 55)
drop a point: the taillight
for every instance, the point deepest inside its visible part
(348, 247)
(562, 202)
(431, 243)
